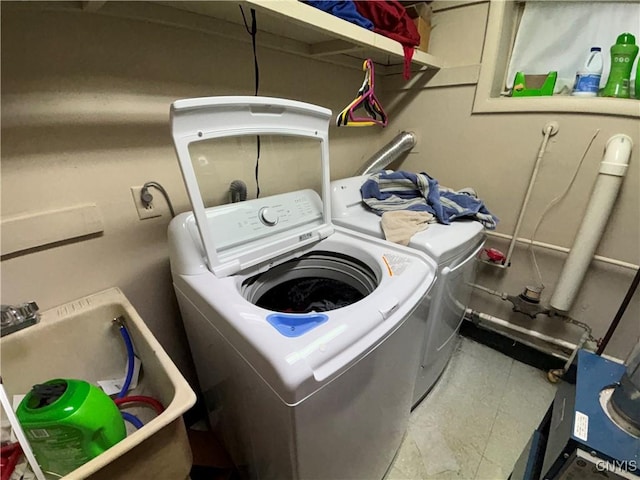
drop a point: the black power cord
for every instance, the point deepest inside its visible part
(146, 198)
(256, 68)
(623, 307)
(253, 31)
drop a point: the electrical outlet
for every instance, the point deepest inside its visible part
(144, 212)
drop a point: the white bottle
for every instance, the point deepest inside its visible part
(587, 81)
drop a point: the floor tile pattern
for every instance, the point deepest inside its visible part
(476, 420)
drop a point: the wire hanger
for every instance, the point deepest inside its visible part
(366, 99)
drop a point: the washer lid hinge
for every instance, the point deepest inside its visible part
(227, 269)
(389, 306)
(325, 231)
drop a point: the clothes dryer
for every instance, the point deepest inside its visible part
(453, 247)
(305, 336)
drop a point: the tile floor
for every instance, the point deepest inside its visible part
(476, 420)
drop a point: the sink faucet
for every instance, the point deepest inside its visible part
(16, 317)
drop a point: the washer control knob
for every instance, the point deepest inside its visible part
(268, 216)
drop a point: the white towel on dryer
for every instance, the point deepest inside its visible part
(400, 225)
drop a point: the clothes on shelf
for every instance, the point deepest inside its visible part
(342, 9)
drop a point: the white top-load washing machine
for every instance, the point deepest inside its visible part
(305, 336)
(454, 247)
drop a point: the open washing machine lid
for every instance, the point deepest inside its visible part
(441, 242)
(251, 232)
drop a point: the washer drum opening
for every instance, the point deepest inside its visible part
(316, 282)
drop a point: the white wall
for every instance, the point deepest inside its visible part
(85, 116)
(85, 102)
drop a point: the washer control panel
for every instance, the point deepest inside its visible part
(243, 222)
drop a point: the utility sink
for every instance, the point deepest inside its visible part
(78, 340)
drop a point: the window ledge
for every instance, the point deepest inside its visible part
(503, 18)
(560, 104)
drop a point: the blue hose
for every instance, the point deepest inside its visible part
(130, 362)
(132, 419)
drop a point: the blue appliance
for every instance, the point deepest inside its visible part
(581, 437)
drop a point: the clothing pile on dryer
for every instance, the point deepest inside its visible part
(453, 246)
(305, 335)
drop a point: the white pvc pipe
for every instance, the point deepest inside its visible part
(612, 171)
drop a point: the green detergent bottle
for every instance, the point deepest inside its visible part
(69, 422)
(638, 79)
(623, 53)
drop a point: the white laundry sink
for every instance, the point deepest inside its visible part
(78, 340)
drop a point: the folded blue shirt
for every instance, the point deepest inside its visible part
(345, 10)
(388, 191)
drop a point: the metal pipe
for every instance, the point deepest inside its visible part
(529, 343)
(612, 171)
(403, 142)
(555, 375)
(502, 295)
(581, 342)
(548, 131)
(470, 313)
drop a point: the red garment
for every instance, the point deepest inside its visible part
(390, 19)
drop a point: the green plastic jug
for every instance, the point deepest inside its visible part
(638, 80)
(623, 53)
(69, 422)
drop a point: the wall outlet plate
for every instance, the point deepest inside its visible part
(144, 211)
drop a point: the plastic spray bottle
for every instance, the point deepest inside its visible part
(623, 53)
(587, 81)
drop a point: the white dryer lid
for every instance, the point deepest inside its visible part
(199, 119)
(441, 242)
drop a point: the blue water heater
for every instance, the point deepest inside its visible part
(590, 432)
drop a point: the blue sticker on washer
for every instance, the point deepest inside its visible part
(296, 324)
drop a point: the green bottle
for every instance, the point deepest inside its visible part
(638, 79)
(623, 53)
(69, 422)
